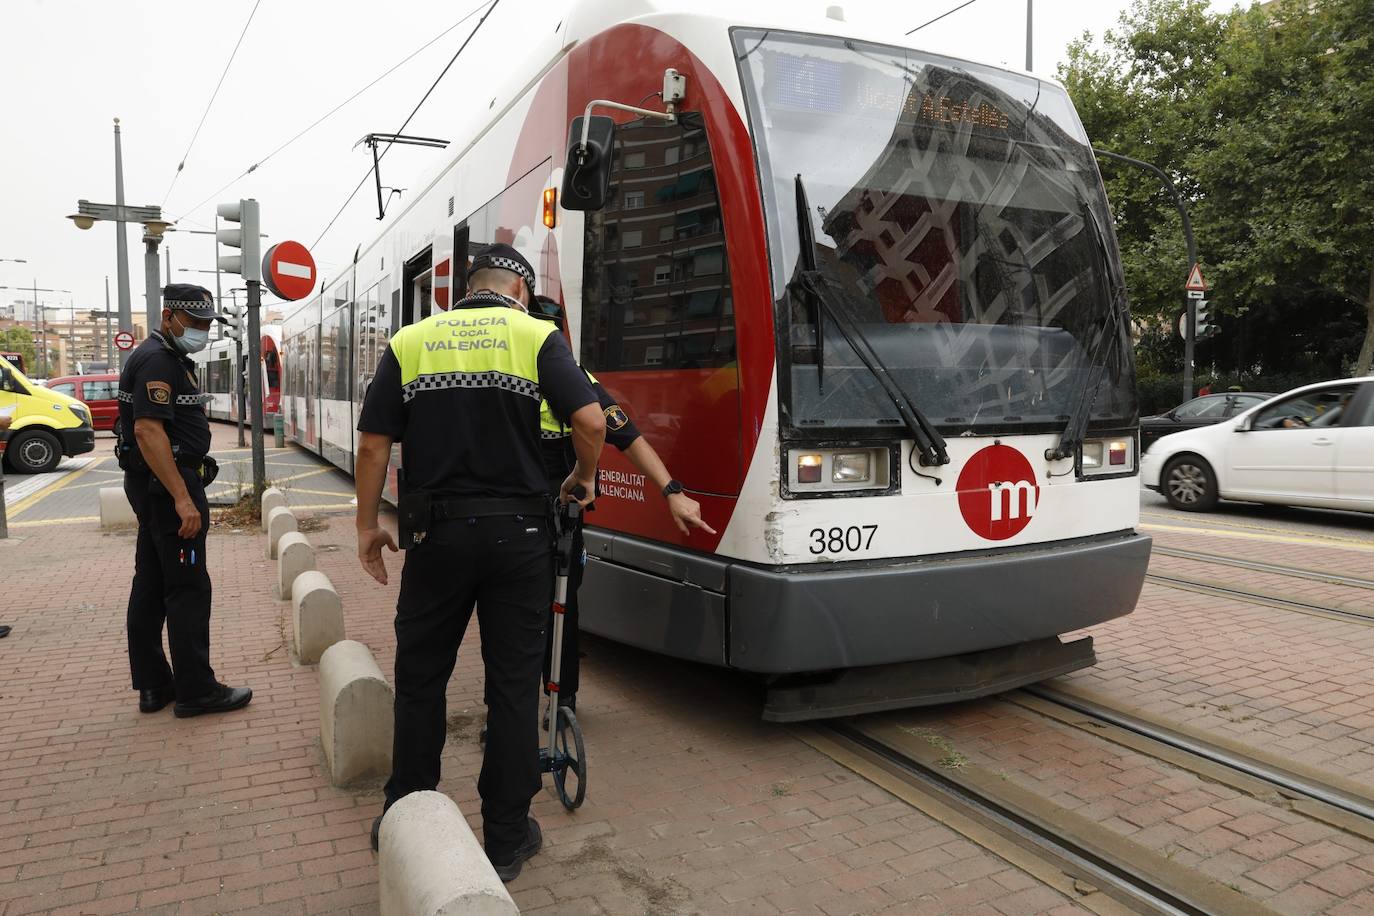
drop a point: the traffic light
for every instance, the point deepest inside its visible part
(1203, 326)
(245, 238)
(233, 328)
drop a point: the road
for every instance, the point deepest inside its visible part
(1322, 524)
(69, 495)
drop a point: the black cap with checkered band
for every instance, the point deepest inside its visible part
(504, 257)
(194, 300)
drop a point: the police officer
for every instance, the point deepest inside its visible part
(163, 436)
(460, 390)
(558, 461)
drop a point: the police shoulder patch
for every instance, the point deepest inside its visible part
(160, 392)
(615, 417)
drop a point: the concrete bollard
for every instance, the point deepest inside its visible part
(279, 522)
(356, 715)
(294, 556)
(115, 511)
(271, 499)
(316, 616)
(430, 863)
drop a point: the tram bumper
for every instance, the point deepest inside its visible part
(856, 616)
(845, 638)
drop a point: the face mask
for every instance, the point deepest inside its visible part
(192, 340)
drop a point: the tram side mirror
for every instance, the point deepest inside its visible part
(587, 175)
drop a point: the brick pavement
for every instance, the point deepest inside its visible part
(694, 805)
(1280, 681)
(1257, 845)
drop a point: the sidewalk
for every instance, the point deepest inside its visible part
(694, 805)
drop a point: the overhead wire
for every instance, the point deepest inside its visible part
(203, 115)
(406, 123)
(943, 15)
(327, 115)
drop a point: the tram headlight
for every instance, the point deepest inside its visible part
(1104, 457)
(851, 467)
(837, 470)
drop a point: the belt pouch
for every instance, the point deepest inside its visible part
(412, 518)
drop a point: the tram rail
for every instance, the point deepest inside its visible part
(1095, 860)
(1315, 575)
(1326, 798)
(1276, 601)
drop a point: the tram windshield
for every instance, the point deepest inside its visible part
(958, 213)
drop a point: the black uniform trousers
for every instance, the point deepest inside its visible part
(504, 566)
(171, 586)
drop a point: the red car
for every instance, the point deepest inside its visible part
(96, 391)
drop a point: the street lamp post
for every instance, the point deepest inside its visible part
(88, 214)
(1190, 306)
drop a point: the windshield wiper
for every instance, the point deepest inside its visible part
(807, 239)
(811, 283)
(1077, 427)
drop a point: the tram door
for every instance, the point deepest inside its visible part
(312, 385)
(417, 288)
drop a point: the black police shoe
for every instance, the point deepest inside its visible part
(221, 699)
(534, 838)
(156, 699)
(4, 631)
(377, 832)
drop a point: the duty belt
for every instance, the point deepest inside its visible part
(477, 507)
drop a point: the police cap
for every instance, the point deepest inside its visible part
(194, 300)
(503, 257)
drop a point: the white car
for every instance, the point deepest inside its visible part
(1312, 446)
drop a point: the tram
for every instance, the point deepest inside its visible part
(219, 378)
(867, 303)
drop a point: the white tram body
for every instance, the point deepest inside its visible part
(221, 379)
(959, 217)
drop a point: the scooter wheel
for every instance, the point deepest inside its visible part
(570, 780)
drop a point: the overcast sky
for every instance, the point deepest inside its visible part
(68, 67)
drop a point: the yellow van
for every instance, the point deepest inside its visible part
(44, 425)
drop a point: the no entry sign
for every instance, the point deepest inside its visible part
(124, 340)
(289, 270)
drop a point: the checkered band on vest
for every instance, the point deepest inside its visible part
(491, 379)
(193, 399)
(551, 434)
(126, 396)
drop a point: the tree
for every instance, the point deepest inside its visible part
(1265, 117)
(18, 340)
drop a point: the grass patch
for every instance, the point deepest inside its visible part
(244, 514)
(952, 758)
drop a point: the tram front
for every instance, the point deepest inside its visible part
(957, 421)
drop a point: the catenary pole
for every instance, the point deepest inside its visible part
(126, 321)
(152, 285)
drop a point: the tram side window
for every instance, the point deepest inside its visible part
(663, 302)
(334, 356)
(511, 219)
